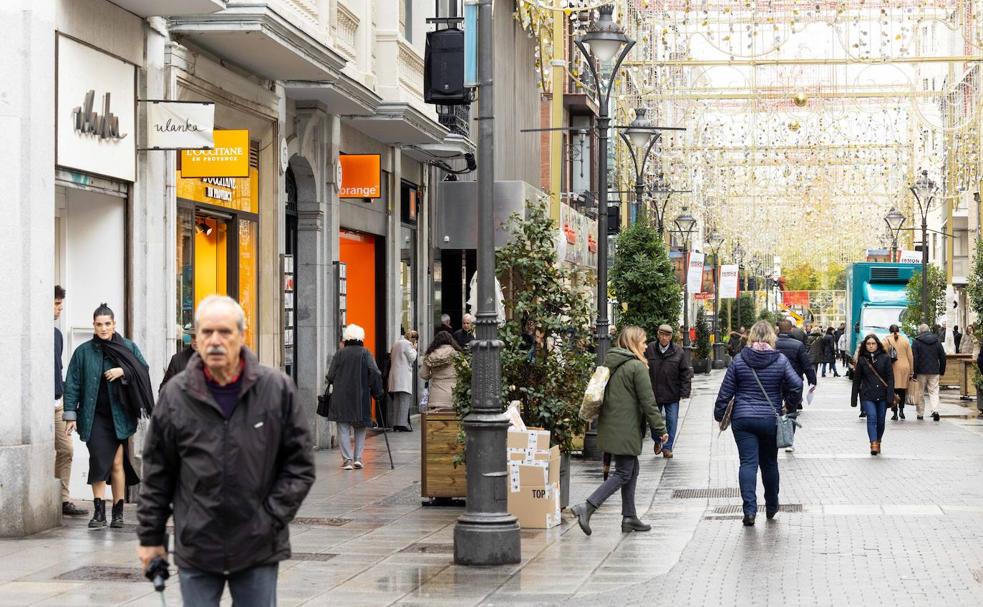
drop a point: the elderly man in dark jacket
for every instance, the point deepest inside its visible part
(796, 353)
(930, 362)
(228, 453)
(671, 374)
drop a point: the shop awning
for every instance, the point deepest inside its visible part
(342, 94)
(260, 39)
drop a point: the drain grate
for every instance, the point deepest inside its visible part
(102, 573)
(410, 496)
(727, 517)
(312, 556)
(321, 521)
(706, 493)
(424, 548)
(740, 509)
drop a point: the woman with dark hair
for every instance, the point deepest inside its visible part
(873, 383)
(440, 371)
(354, 379)
(106, 390)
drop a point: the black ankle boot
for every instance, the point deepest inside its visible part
(748, 520)
(631, 523)
(583, 513)
(117, 521)
(98, 514)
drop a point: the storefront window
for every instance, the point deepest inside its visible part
(407, 265)
(247, 275)
(185, 269)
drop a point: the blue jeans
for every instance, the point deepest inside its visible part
(876, 411)
(755, 438)
(671, 413)
(255, 587)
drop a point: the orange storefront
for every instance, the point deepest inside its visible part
(217, 248)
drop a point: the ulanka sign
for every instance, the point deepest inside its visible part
(180, 125)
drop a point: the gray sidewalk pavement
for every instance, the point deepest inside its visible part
(905, 528)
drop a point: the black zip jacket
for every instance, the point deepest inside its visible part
(929, 354)
(234, 484)
(866, 384)
(671, 373)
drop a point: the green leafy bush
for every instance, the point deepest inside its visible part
(643, 279)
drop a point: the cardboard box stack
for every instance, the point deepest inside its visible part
(534, 476)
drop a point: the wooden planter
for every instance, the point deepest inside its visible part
(439, 478)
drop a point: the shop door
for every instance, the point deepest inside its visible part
(211, 257)
(358, 253)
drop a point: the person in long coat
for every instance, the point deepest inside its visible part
(816, 347)
(401, 360)
(829, 352)
(100, 403)
(629, 409)
(902, 368)
(440, 371)
(354, 379)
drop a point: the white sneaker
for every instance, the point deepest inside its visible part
(358, 465)
(347, 465)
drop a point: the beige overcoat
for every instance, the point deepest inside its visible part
(905, 361)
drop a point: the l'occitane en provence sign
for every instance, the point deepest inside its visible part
(229, 157)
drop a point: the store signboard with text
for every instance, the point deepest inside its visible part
(695, 272)
(728, 281)
(180, 125)
(228, 158)
(95, 111)
(360, 176)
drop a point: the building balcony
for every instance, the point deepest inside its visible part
(281, 40)
(455, 118)
(170, 8)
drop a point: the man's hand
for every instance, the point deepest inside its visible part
(113, 374)
(664, 439)
(147, 554)
(69, 428)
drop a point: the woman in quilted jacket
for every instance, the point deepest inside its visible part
(759, 380)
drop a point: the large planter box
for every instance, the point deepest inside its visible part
(439, 478)
(953, 375)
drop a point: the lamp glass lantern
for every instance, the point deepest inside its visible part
(924, 191)
(685, 224)
(894, 220)
(715, 240)
(605, 37)
(638, 132)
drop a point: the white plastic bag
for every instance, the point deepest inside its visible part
(594, 394)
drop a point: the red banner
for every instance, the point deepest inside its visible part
(795, 298)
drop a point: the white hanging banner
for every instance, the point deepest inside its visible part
(694, 275)
(180, 125)
(910, 257)
(728, 281)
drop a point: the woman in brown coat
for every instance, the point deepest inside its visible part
(903, 366)
(438, 368)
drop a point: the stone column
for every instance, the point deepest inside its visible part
(29, 495)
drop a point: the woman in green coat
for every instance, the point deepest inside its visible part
(629, 409)
(103, 412)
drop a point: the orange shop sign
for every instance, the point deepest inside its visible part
(229, 157)
(361, 176)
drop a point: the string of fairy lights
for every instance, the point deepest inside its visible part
(806, 121)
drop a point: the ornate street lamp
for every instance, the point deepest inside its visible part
(486, 534)
(924, 191)
(684, 226)
(714, 241)
(604, 41)
(640, 138)
(894, 221)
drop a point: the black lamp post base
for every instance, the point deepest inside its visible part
(482, 540)
(590, 451)
(718, 356)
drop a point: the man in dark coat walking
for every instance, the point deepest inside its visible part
(229, 453)
(180, 360)
(930, 362)
(671, 373)
(796, 353)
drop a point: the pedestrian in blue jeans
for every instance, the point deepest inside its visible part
(759, 379)
(671, 374)
(873, 385)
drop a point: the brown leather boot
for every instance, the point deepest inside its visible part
(875, 447)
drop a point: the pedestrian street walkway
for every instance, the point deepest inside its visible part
(905, 528)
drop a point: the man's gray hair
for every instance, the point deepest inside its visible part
(922, 328)
(224, 300)
(467, 318)
(445, 319)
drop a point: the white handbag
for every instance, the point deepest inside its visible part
(594, 394)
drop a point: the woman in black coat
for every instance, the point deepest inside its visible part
(873, 384)
(829, 352)
(354, 379)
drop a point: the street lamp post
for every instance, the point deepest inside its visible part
(894, 221)
(486, 534)
(604, 41)
(924, 191)
(684, 225)
(714, 242)
(639, 135)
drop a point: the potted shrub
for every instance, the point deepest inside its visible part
(701, 350)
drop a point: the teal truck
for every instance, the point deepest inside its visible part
(875, 298)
